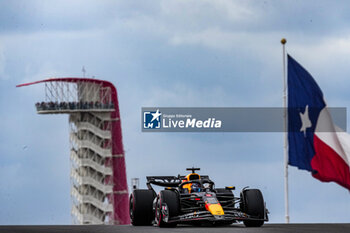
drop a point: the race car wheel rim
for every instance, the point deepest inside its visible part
(165, 212)
(158, 214)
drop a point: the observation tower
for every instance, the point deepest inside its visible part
(99, 188)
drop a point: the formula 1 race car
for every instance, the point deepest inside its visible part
(193, 199)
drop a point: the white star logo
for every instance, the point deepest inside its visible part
(305, 120)
(156, 115)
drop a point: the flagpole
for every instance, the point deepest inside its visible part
(285, 147)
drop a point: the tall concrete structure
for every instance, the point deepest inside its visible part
(99, 188)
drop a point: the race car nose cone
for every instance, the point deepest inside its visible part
(215, 209)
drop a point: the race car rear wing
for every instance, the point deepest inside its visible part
(163, 181)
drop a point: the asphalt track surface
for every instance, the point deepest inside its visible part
(270, 228)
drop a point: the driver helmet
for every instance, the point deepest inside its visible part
(196, 187)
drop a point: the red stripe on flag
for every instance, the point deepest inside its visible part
(328, 165)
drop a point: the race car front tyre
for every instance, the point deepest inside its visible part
(141, 207)
(168, 206)
(252, 203)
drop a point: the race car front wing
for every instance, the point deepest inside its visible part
(231, 215)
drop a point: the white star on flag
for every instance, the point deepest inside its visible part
(305, 120)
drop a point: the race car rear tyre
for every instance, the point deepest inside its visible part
(141, 207)
(253, 204)
(168, 206)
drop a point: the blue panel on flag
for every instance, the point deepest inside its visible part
(304, 97)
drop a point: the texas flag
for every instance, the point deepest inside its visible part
(315, 143)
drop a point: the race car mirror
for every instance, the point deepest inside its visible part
(206, 185)
(230, 187)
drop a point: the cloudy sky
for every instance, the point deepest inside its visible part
(181, 53)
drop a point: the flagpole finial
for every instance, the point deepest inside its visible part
(283, 41)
